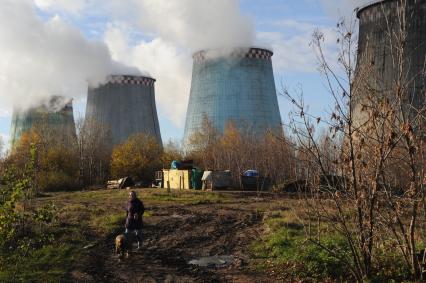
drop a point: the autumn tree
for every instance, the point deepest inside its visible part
(2, 159)
(1, 147)
(138, 157)
(202, 145)
(56, 163)
(238, 151)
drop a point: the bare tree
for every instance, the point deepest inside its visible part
(381, 132)
(237, 151)
(94, 150)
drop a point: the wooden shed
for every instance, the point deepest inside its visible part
(177, 179)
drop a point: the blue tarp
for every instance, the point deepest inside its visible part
(251, 173)
(175, 164)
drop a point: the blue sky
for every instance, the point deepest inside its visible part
(284, 26)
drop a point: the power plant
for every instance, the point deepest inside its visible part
(238, 87)
(382, 25)
(125, 105)
(54, 115)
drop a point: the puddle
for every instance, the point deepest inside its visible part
(213, 261)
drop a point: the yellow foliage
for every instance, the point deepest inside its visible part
(56, 164)
(138, 157)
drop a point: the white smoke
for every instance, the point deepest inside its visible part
(72, 6)
(178, 29)
(43, 58)
(191, 24)
(198, 24)
(169, 65)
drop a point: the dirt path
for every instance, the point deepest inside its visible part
(176, 234)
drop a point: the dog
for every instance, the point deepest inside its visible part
(122, 245)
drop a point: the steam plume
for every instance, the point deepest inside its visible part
(43, 58)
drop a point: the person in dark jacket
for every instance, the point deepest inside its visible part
(134, 223)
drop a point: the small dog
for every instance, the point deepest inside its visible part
(122, 245)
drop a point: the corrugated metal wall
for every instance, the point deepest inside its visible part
(126, 106)
(60, 121)
(379, 26)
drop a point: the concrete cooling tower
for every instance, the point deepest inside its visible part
(237, 88)
(54, 115)
(124, 105)
(376, 22)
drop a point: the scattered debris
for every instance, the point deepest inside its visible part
(213, 261)
(89, 246)
(121, 183)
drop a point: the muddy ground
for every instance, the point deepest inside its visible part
(175, 234)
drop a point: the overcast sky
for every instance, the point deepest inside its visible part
(59, 46)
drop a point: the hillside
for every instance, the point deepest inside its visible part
(179, 227)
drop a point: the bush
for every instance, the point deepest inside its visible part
(23, 229)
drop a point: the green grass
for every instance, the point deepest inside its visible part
(286, 249)
(107, 223)
(187, 197)
(150, 195)
(48, 264)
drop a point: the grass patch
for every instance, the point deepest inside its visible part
(187, 197)
(286, 250)
(106, 197)
(50, 263)
(107, 224)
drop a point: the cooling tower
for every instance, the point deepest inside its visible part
(379, 24)
(237, 88)
(54, 116)
(124, 105)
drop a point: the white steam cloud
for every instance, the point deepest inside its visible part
(170, 66)
(178, 29)
(198, 24)
(72, 6)
(49, 57)
(43, 58)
